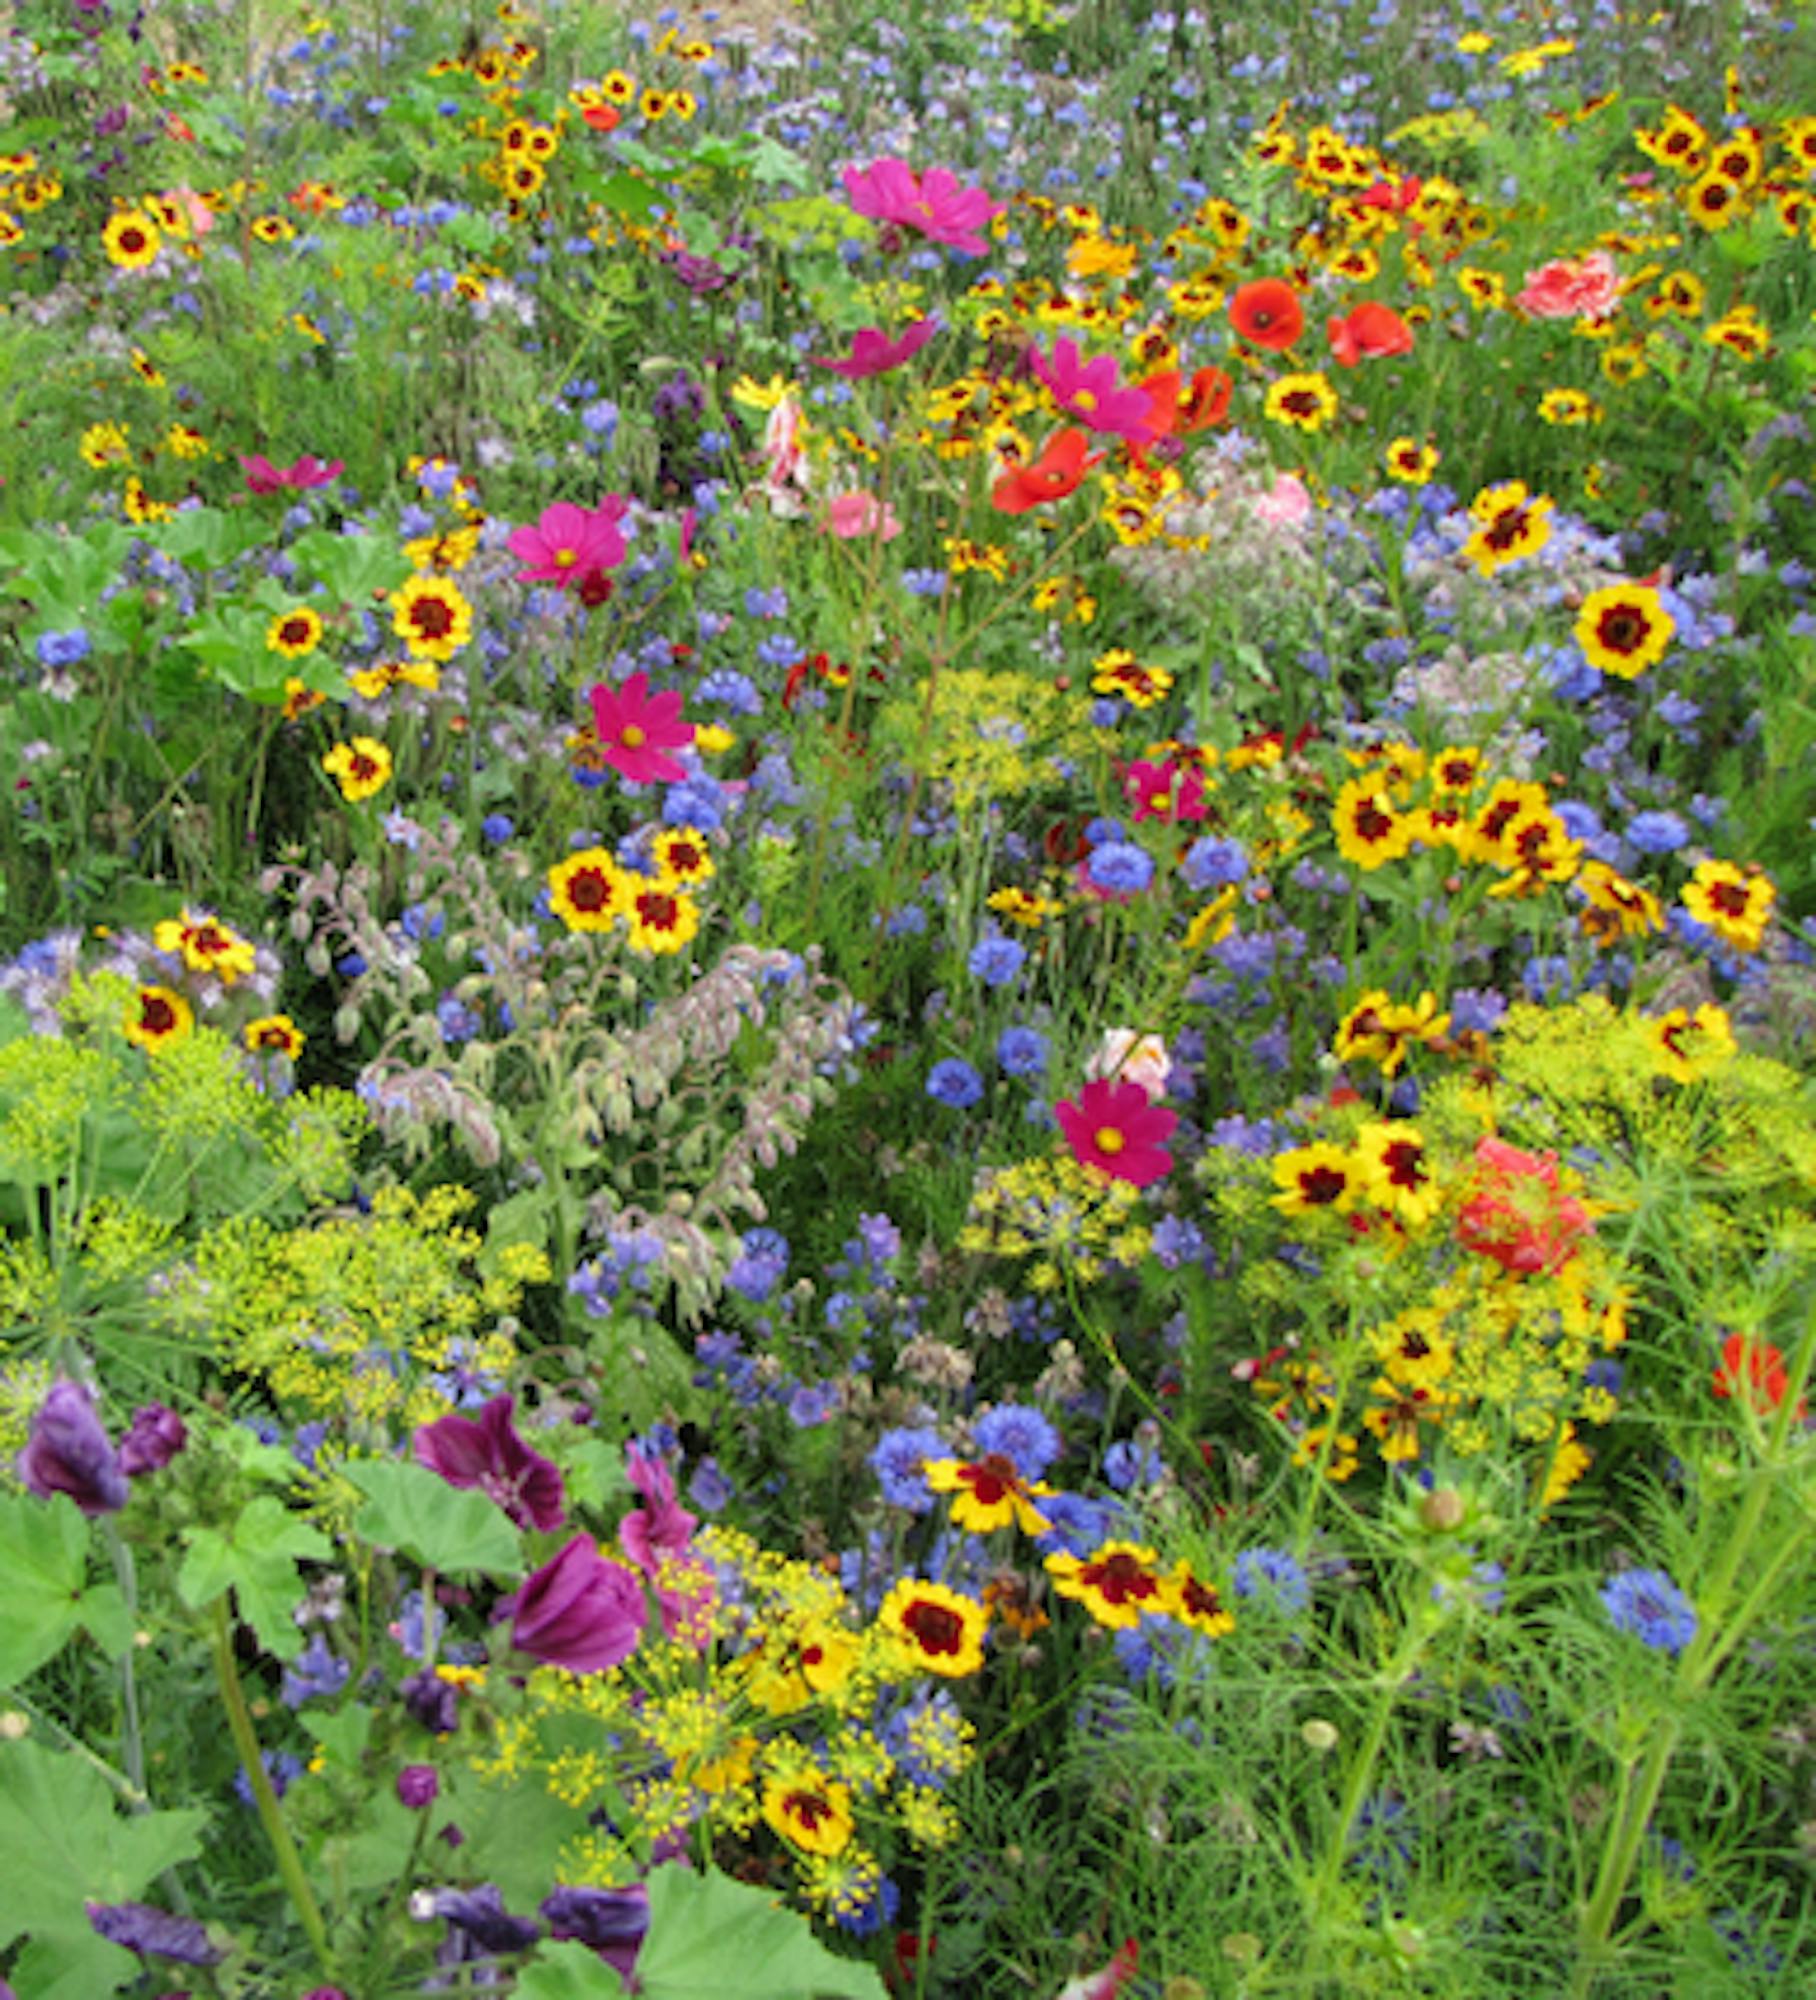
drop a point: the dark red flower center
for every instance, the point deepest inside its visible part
(935, 1628)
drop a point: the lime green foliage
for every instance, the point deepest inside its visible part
(255, 1557)
(44, 1551)
(415, 1511)
(709, 1936)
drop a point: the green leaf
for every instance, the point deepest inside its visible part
(63, 1845)
(342, 1734)
(257, 1559)
(567, 1971)
(710, 1936)
(44, 1558)
(416, 1510)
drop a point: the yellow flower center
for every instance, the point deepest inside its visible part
(631, 737)
(566, 558)
(1109, 1140)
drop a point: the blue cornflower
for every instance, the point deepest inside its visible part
(1022, 1051)
(954, 1083)
(1648, 1604)
(1657, 832)
(1272, 1575)
(996, 960)
(1022, 1435)
(1128, 1463)
(497, 828)
(62, 649)
(899, 1462)
(1120, 868)
(1212, 863)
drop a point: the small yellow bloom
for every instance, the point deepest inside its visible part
(362, 767)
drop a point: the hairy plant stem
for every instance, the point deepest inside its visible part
(245, 1740)
(132, 1736)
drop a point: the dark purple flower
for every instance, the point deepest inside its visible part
(487, 1452)
(611, 1921)
(482, 1915)
(69, 1452)
(578, 1611)
(154, 1933)
(157, 1435)
(417, 1786)
(433, 1702)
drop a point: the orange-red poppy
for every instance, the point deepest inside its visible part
(601, 117)
(1060, 469)
(1267, 313)
(1370, 331)
(1206, 401)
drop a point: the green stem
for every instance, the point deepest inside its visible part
(132, 1735)
(245, 1740)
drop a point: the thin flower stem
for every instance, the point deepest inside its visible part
(245, 1740)
(132, 1735)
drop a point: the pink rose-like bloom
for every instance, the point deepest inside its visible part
(201, 216)
(1116, 1129)
(570, 543)
(933, 205)
(578, 1611)
(1285, 505)
(637, 729)
(661, 1531)
(1589, 289)
(264, 477)
(486, 1452)
(1133, 1058)
(852, 515)
(1089, 391)
(874, 353)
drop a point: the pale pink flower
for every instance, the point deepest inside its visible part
(1587, 289)
(853, 515)
(201, 216)
(1285, 505)
(1123, 1056)
(786, 474)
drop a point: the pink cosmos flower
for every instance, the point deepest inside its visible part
(933, 205)
(852, 515)
(1089, 391)
(570, 544)
(1165, 792)
(578, 1611)
(1113, 1127)
(486, 1452)
(1588, 289)
(874, 353)
(637, 729)
(264, 477)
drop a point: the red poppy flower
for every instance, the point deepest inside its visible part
(1383, 194)
(1517, 1214)
(1267, 313)
(1113, 1127)
(1753, 1371)
(1060, 469)
(1371, 330)
(601, 117)
(1206, 402)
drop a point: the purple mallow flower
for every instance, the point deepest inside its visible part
(154, 1933)
(156, 1436)
(486, 1452)
(611, 1921)
(69, 1452)
(578, 1611)
(417, 1786)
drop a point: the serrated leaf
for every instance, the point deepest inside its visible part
(567, 1971)
(417, 1511)
(44, 1558)
(514, 1837)
(342, 1733)
(103, 1616)
(63, 1845)
(257, 1558)
(710, 1936)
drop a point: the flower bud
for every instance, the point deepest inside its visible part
(417, 1786)
(1443, 1510)
(1319, 1735)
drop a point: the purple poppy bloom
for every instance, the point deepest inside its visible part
(156, 1436)
(153, 1933)
(578, 1611)
(487, 1452)
(611, 1921)
(69, 1452)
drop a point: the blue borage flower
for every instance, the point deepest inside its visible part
(1648, 1604)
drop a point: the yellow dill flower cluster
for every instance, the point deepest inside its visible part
(990, 735)
(1059, 1213)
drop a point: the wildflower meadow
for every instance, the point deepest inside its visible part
(908, 1000)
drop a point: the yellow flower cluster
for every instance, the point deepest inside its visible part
(1062, 1215)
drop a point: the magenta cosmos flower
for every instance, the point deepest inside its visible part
(264, 477)
(874, 353)
(1089, 391)
(933, 204)
(486, 1452)
(569, 543)
(637, 729)
(1113, 1127)
(579, 1611)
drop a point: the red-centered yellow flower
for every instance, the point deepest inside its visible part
(1714, 201)
(682, 857)
(1512, 524)
(1116, 1584)
(942, 1630)
(1687, 1047)
(1736, 906)
(1615, 908)
(1305, 402)
(362, 768)
(1504, 805)
(1119, 672)
(1317, 1177)
(1197, 1604)
(991, 1494)
(661, 919)
(131, 239)
(1454, 772)
(273, 1034)
(809, 1812)
(1624, 629)
(1410, 462)
(158, 1019)
(1380, 1030)
(1370, 832)
(383, 675)
(589, 891)
(294, 632)
(1336, 1451)
(1398, 1172)
(1741, 331)
(1413, 1348)
(1399, 1413)
(1536, 849)
(299, 699)
(206, 945)
(1293, 1386)
(432, 617)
